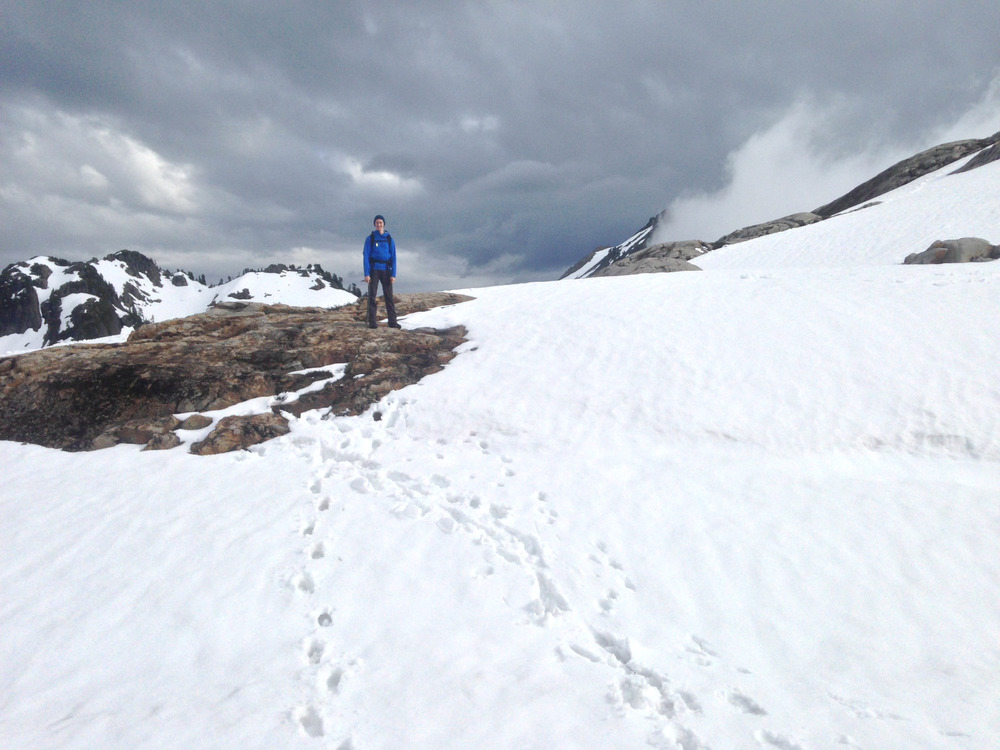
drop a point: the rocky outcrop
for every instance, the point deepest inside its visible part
(238, 433)
(19, 306)
(92, 313)
(138, 265)
(662, 258)
(768, 227)
(964, 250)
(983, 157)
(91, 396)
(906, 171)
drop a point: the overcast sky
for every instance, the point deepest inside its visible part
(501, 140)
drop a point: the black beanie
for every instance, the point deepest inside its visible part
(380, 216)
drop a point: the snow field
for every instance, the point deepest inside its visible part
(695, 510)
(751, 507)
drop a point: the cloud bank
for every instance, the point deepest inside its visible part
(796, 164)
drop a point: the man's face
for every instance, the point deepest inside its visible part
(380, 226)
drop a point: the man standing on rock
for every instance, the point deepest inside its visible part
(380, 265)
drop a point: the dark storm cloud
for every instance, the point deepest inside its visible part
(502, 140)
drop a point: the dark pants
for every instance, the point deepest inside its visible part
(383, 275)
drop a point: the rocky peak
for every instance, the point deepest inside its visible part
(137, 264)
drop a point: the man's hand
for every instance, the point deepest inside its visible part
(368, 279)
(392, 279)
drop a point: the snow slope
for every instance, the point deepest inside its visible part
(938, 206)
(756, 506)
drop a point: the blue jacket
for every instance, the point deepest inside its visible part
(380, 252)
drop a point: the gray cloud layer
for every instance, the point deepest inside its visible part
(502, 140)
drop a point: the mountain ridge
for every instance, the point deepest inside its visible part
(637, 255)
(47, 300)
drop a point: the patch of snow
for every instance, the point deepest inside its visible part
(68, 304)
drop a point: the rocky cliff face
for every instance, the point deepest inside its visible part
(91, 396)
(636, 255)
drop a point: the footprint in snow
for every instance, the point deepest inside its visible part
(779, 741)
(304, 583)
(447, 525)
(310, 721)
(702, 654)
(608, 602)
(676, 736)
(330, 679)
(314, 651)
(499, 512)
(745, 703)
(605, 560)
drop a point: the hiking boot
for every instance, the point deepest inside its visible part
(395, 325)
(373, 325)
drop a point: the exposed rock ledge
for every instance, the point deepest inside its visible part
(91, 396)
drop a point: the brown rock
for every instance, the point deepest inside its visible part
(195, 422)
(163, 442)
(141, 431)
(77, 397)
(236, 433)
